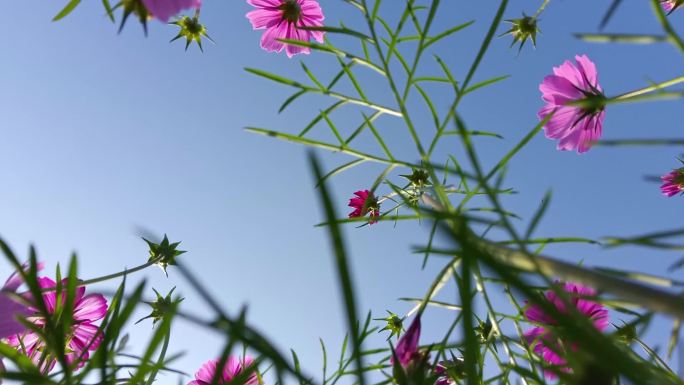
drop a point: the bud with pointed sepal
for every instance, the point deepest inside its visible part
(394, 324)
(162, 307)
(164, 254)
(192, 30)
(522, 29)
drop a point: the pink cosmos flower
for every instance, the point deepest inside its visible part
(669, 5)
(407, 347)
(166, 9)
(233, 367)
(84, 336)
(575, 126)
(364, 203)
(673, 183)
(283, 19)
(546, 344)
(9, 307)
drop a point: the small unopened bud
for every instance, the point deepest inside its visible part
(394, 324)
(191, 30)
(450, 371)
(164, 254)
(419, 178)
(162, 307)
(522, 29)
(136, 8)
(485, 331)
(627, 333)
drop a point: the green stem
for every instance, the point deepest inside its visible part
(119, 274)
(649, 89)
(393, 86)
(541, 9)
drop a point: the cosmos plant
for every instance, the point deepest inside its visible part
(498, 307)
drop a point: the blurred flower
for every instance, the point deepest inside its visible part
(284, 19)
(673, 183)
(9, 307)
(163, 10)
(546, 344)
(233, 367)
(407, 348)
(84, 335)
(394, 324)
(191, 30)
(671, 5)
(164, 253)
(522, 29)
(577, 101)
(364, 203)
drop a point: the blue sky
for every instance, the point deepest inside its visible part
(106, 134)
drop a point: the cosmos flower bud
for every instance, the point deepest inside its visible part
(394, 324)
(450, 371)
(407, 347)
(626, 333)
(419, 178)
(192, 30)
(485, 331)
(522, 29)
(162, 307)
(164, 254)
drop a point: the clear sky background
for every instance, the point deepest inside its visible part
(102, 135)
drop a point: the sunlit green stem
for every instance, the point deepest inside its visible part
(393, 85)
(541, 8)
(120, 274)
(651, 88)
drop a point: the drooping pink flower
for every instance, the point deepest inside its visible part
(546, 343)
(10, 308)
(166, 9)
(577, 127)
(233, 367)
(284, 19)
(407, 347)
(84, 335)
(670, 5)
(364, 203)
(673, 183)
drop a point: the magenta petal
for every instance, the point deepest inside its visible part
(163, 10)
(263, 18)
(9, 310)
(91, 308)
(15, 280)
(408, 344)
